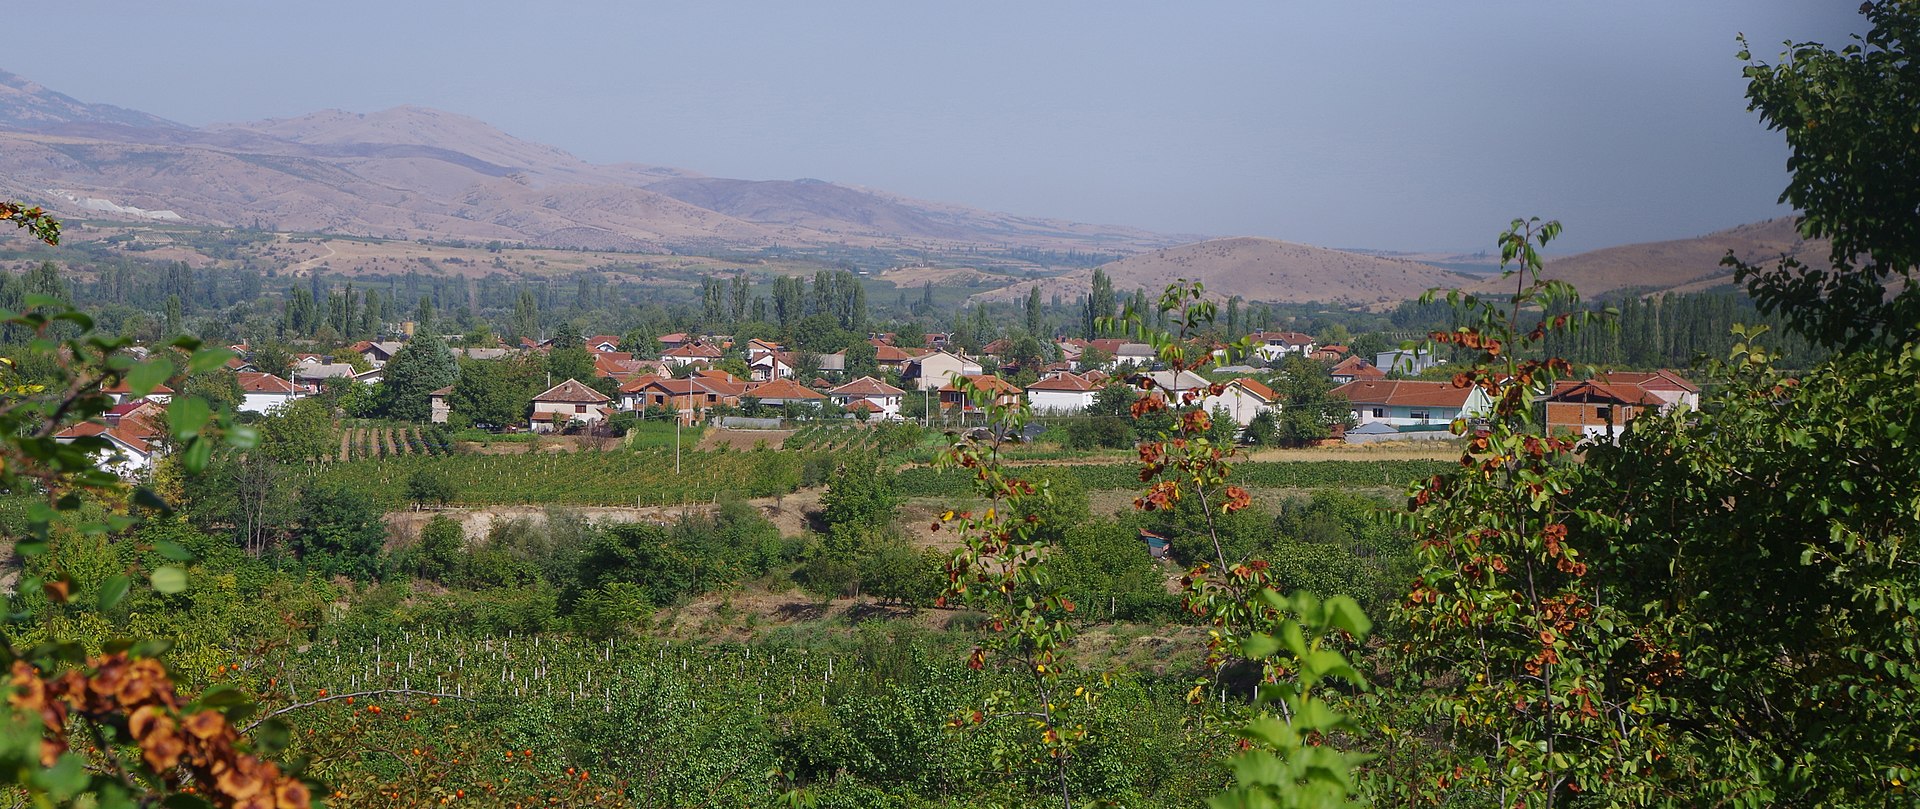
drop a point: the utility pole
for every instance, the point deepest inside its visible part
(676, 444)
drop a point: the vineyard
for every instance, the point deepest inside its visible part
(378, 441)
(944, 482)
(832, 438)
(594, 478)
(669, 720)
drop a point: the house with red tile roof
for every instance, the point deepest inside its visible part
(879, 397)
(1408, 402)
(691, 353)
(566, 403)
(1271, 345)
(1595, 409)
(126, 440)
(263, 392)
(120, 393)
(781, 392)
(1061, 393)
(602, 343)
(1003, 393)
(1353, 368)
(1671, 387)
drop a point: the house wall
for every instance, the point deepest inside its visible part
(1240, 403)
(1403, 415)
(938, 370)
(539, 408)
(1589, 418)
(889, 405)
(1059, 401)
(262, 402)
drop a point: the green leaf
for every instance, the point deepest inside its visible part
(148, 498)
(271, 736)
(186, 802)
(173, 550)
(199, 451)
(114, 589)
(66, 777)
(148, 375)
(208, 359)
(170, 580)
(187, 415)
(1345, 614)
(224, 696)
(1258, 646)
(152, 647)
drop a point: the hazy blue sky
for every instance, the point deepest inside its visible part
(1392, 125)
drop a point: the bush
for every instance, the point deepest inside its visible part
(427, 486)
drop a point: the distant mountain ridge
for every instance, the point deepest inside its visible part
(412, 172)
(1258, 270)
(1681, 265)
(26, 105)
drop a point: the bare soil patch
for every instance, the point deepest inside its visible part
(744, 439)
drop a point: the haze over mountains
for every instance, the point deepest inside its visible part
(415, 173)
(411, 172)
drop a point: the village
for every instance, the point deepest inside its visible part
(1404, 394)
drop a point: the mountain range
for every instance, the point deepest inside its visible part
(413, 173)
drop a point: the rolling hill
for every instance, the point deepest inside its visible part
(1680, 265)
(417, 173)
(1258, 270)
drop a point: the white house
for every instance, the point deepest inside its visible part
(937, 370)
(1243, 399)
(120, 393)
(131, 435)
(770, 365)
(1140, 355)
(263, 392)
(1271, 345)
(880, 398)
(1405, 361)
(1061, 393)
(690, 353)
(1406, 402)
(567, 402)
(1174, 385)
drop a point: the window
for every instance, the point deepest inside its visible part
(1421, 415)
(579, 408)
(1379, 412)
(1604, 412)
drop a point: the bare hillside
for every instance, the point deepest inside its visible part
(416, 173)
(1259, 270)
(1681, 265)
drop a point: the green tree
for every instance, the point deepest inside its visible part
(419, 368)
(438, 554)
(300, 431)
(1854, 132)
(497, 392)
(272, 357)
(859, 494)
(430, 487)
(340, 532)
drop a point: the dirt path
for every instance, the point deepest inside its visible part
(346, 443)
(309, 264)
